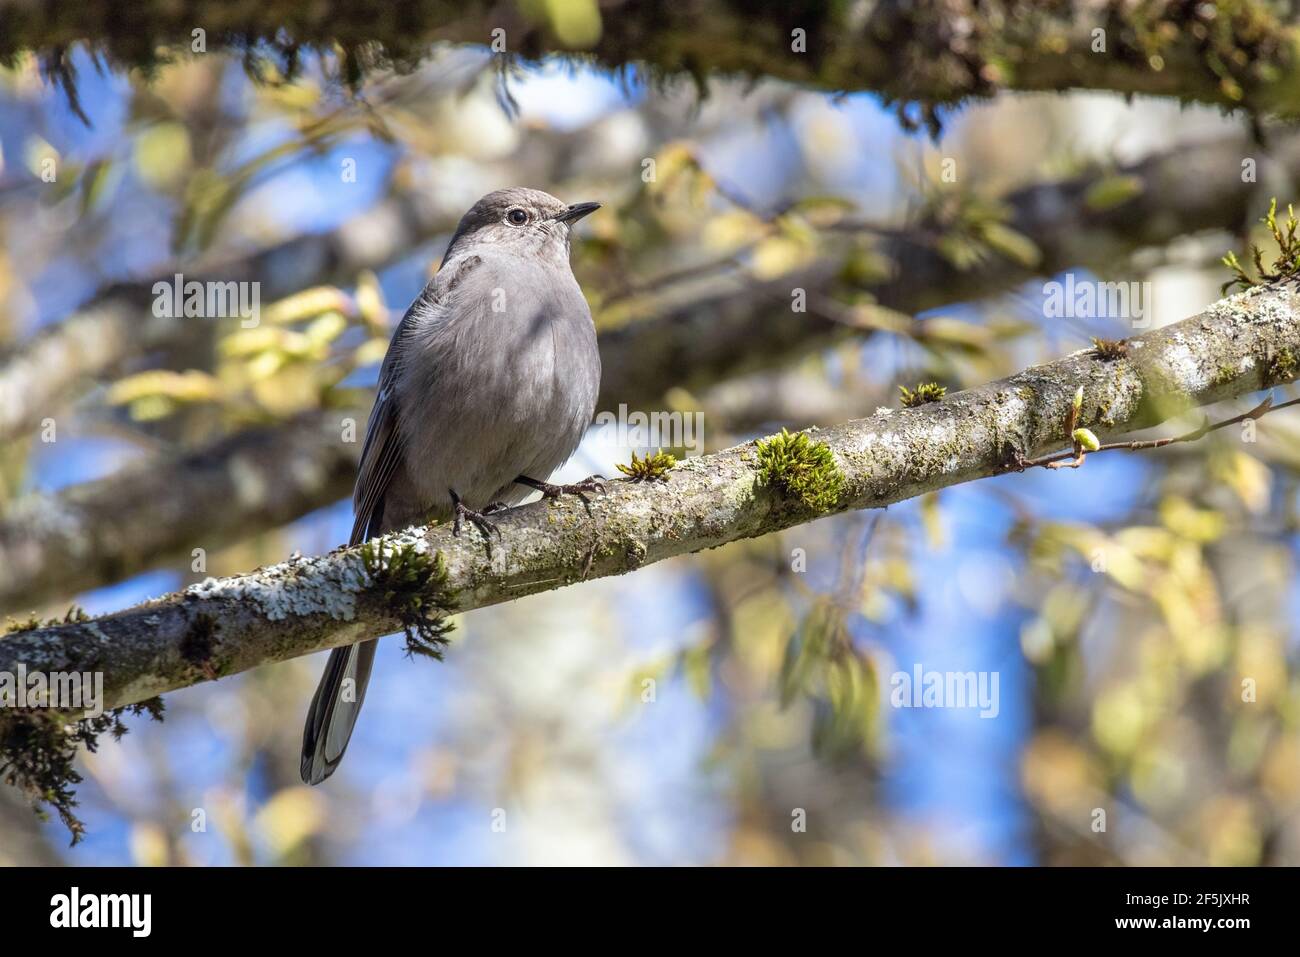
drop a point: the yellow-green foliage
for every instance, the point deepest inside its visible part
(1110, 192)
(650, 468)
(821, 664)
(923, 393)
(1285, 266)
(801, 468)
(974, 230)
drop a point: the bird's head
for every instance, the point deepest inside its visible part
(519, 220)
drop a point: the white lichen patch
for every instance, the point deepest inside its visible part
(326, 585)
(886, 451)
(1279, 309)
(1011, 415)
(1278, 305)
(412, 537)
(1185, 368)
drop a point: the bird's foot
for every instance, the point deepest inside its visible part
(479, 520)
(595, 483)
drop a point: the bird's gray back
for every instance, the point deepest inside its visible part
(497, 377)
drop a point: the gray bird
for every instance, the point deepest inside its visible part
(489, 383)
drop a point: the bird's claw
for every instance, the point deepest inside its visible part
(594, 483)
(478, 519)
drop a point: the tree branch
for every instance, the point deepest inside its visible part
(224, 626)
(128, 522)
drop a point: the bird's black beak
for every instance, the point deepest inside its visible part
(577, 211)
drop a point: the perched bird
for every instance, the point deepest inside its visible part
(488, 386)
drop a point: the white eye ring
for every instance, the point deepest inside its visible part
(516, 216)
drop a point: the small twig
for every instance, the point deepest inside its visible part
(1065, 460)
(740, 201)
(770, 215)
(859, 317)
(1074, 458)
(851, 224)
(686, 274)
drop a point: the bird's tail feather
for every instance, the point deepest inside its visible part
(334, 709)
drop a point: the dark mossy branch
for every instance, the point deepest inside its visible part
(922, 55)
(304, 605)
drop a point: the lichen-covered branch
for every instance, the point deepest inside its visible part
(407, 579)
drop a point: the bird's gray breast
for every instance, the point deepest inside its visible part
(500, 381)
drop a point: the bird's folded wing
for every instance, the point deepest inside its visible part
(380, 456)
(382, 451)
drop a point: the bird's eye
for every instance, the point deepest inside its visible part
(517, 217)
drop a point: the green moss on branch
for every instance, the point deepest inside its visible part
(923, 393)
(801, 469)
(650, 468)
(414, 586)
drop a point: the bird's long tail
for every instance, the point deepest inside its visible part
(334, 709)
